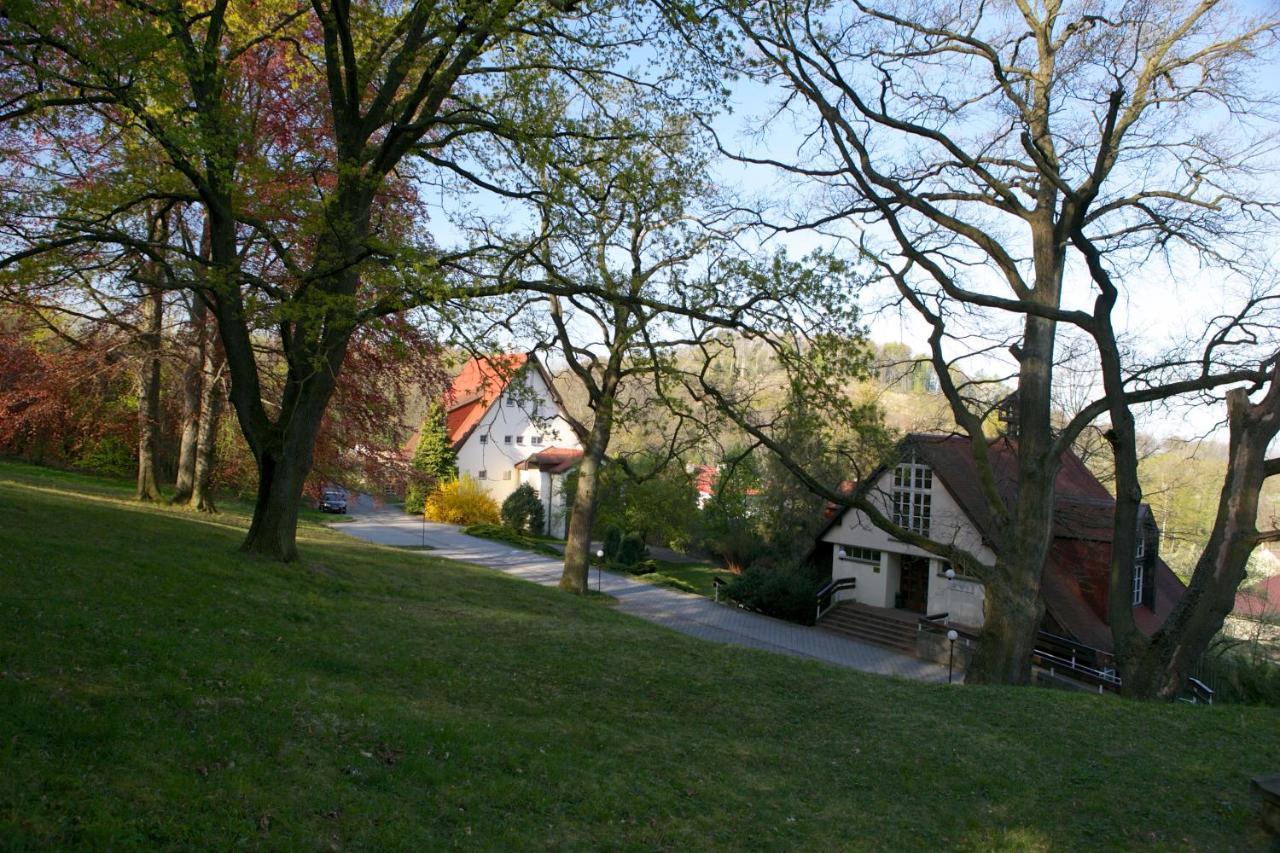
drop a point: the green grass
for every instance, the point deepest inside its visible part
(507, 536)
(159, 690)
(693, 577)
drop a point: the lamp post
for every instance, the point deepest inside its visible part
(952, 636)
(599, 567)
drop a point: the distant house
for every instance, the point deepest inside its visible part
(934, 490)
(508, 426)
(706, 482)
(1256, 615)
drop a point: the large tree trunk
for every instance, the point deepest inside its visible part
(207, 435)
(1158, 668)
(273, 532)
(1013, 608)
(192, 373)
(149, 394)
(577, 549)
(314, 338)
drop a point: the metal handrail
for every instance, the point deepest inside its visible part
(828, 592)
(1200, 692)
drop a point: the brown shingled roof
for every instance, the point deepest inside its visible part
(1078, 568)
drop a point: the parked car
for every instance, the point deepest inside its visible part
(333, 501)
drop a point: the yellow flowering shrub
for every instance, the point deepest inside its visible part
(461, 501)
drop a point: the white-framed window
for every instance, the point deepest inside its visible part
(860, 555)
(506, 475)
(506, 439)
(1139, 570)
(511, 401)
(960, 572)
(482, 474)
(912, 495)
(519, 439)
(484, 439)
(537, 439)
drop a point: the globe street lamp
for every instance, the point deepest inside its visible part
(951, 655)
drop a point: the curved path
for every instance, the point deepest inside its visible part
(689, 614)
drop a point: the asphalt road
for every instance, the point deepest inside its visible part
(684, 612)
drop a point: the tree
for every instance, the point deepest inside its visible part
(434, 459)
(985, 150)
(301, 133)
(522, 511)
(631, 234)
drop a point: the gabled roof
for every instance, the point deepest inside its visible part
(480, 382)
(477, 386)
(1077, 572)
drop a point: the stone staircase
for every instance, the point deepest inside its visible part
(893, 628)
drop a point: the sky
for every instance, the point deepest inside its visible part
(1162, 302)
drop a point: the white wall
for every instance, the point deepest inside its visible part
(960, 597)
(948, 524)
(873, 580)
(534, 414)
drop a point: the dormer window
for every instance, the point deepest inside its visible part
(1139, 569)
(912, 495)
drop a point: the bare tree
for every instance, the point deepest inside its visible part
(978, 145)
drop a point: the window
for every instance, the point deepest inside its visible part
(482, 474)
(506, 439)
(484, 439)
(912, 495)
(1139, 570)
(511, 401)
(536, 440)
(960, 573)
(519, 439)
(860, 555)
(506, 475)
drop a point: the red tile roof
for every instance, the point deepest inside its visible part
(553, 460)
(477, 385)
(1260, 600)
(469, 396)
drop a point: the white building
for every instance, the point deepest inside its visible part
(934, 490)
(508, 426)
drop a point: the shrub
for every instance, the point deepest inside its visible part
(612, 542)
(107, 455)
(461, 502)
(522, 511)
(415, 498)
(786, 591)
(631, 549)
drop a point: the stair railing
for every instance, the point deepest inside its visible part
(826, 595)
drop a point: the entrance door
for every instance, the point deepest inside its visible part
(913, 583)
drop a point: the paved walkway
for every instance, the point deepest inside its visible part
(689, 614)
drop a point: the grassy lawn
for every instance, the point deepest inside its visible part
(698, 576)
(507, 536)
(157, 689)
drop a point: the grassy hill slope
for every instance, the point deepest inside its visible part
(159, 689)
